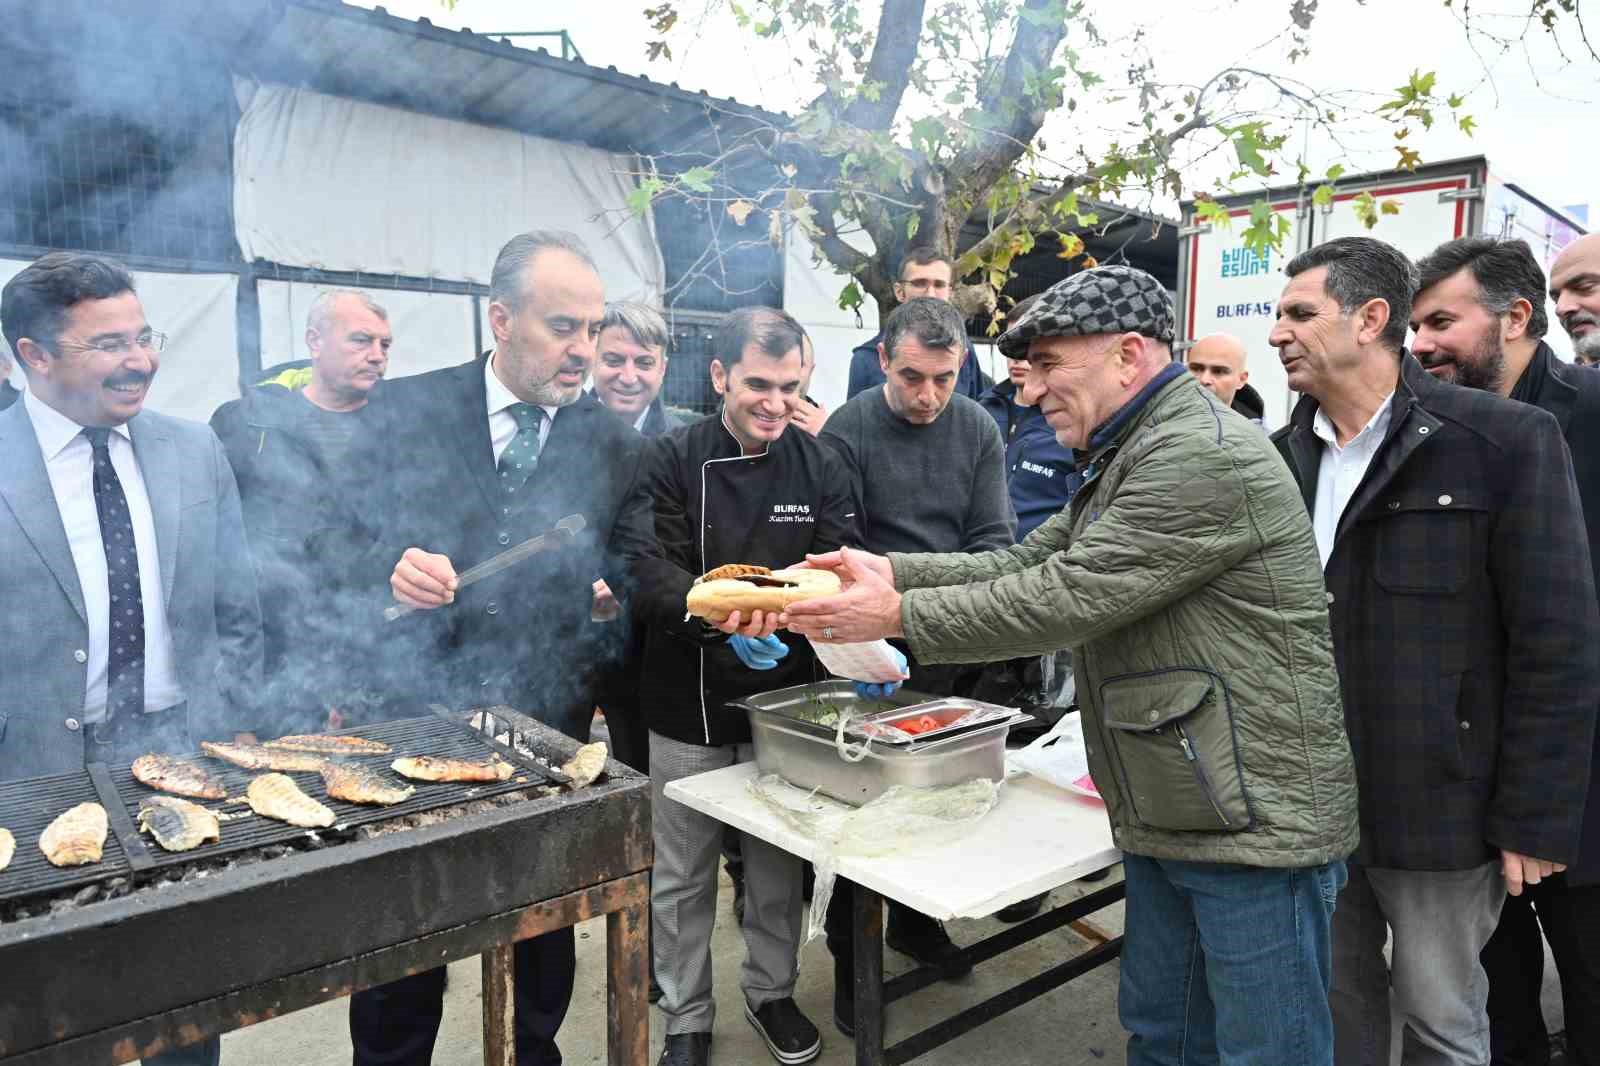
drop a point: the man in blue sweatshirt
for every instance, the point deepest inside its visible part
(923, 272)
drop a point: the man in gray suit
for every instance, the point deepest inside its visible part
(120, 531)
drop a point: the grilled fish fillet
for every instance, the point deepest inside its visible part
(8, 847)
(277, 796)
(729, 570)
(77, 837)
(354, 783)
(168, 773)
(434, 768)
(586, 765)
(261, 757)
(177, 824)
(327, 745)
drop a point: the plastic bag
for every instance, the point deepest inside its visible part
(874, 662)
(1058, 757)
(901, 819)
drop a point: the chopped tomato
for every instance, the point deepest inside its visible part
(921, 724)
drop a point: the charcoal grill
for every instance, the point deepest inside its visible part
(173, 961)
(27, 807)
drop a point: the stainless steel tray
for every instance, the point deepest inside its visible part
(793, 741)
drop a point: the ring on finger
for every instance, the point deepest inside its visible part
(827, 632)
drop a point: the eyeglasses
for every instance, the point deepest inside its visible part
(926, 285)
(151, 340)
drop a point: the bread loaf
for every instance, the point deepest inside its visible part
(716, 598)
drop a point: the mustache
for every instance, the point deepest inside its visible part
(1581, 318)
(127, 377)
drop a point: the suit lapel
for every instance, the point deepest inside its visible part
(25, 489)
(468, 415)
(158, 466)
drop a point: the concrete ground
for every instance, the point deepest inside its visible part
(1075, 1025)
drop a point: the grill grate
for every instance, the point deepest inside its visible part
(26, 807)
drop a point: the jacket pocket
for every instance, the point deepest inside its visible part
(1172, 735)
(1429, 542)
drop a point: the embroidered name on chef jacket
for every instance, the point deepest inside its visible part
(791, 512)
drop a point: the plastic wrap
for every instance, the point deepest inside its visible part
(899, 820)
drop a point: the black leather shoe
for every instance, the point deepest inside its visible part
(1022, 910)
(789, 1035)
(686, 1049)
(925, 940)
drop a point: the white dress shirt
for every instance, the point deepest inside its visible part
(1341, 471)
(69, 461)
(502, 424)
(638, 423)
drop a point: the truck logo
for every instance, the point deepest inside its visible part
(1243, 263)
(1244, 310)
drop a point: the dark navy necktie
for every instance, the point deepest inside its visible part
(521, 456)
(125, 655)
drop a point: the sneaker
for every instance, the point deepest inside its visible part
(1021, 910)
(790, 1036)
(925, 940)
(686, 1049)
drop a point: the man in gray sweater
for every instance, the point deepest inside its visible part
(930, 474)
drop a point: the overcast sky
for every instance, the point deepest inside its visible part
(1538, 119)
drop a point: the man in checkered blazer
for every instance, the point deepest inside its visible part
(1465, 628)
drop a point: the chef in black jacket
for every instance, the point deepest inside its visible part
(481, 457)
(741, 487)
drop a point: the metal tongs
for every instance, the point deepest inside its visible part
(563, 534)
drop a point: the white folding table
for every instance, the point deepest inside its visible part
(1037, 837)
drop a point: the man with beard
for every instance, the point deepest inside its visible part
(131, 617)
(1575, 287)
(1479, 316)
(491, 453)
(1467, 637)
(741, 487)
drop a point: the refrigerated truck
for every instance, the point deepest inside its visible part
(1224, 287)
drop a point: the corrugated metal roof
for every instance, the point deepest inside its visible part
(372, 55)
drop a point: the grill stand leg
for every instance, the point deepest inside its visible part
(499, 1007)
(627, 984)
(869, 977)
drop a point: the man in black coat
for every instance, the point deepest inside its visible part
(743, 487)
(1465, 628)
(484, 456)
(1478, 316)
(627, 380)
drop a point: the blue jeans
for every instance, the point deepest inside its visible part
(1227, 964)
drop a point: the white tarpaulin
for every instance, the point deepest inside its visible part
(811, 295)
(339, 184)
(431, 329)
(199, 370)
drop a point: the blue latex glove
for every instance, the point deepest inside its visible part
(760, 654)
(867, 691)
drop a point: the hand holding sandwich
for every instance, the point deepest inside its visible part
(867, 609)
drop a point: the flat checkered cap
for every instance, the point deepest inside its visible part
(1107, 299)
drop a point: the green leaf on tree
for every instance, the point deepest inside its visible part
(697, 179)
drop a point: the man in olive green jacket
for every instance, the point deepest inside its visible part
(1184, 575)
